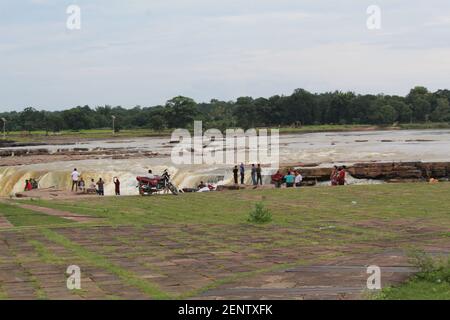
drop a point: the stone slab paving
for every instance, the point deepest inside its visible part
(181, 259)
(334, 280)
(4, 223)
(29, 277)
(158, 259)
(343, 278)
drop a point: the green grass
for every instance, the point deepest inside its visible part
(23, 217)
(307, 207)
(325, 216)
(3, 295)
(45, 254)
(427, 125)
(417, 289)
(432, 282)
(106, 133)
(42, 136)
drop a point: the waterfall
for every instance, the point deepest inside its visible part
(58, 175)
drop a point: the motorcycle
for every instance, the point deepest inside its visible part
(148, 186)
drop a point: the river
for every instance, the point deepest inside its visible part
(322, 149)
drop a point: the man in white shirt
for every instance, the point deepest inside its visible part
(298, 179)
(75, 176)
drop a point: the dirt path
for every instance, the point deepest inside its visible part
(59, 213)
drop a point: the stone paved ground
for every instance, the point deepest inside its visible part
(201, 261)
(4, 223)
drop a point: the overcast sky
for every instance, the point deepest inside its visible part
(143, 52)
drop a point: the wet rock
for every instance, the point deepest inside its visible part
(388, 171)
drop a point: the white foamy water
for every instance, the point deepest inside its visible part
(320, 148)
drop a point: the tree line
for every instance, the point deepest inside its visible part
(300, 108)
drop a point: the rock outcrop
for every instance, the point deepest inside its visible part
(388, 171)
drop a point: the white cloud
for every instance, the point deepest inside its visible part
(438, 21)
(268, 17)
(143, 52)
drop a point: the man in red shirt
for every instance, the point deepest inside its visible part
(277, 179)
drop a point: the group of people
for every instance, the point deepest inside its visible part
(256, 174)
(31, 184)
(338, 176)
(98, 187)
(291, 179)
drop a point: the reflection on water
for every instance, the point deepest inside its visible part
(320, 148)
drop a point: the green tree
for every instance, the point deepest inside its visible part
(181, 112)
(78, 118)
(404, 111)
(442, 111)
(382, 113)
(30, 119)
(419, 98)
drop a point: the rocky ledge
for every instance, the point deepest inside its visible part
(387, 171)
(15, 157)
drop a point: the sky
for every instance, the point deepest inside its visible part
(144, 52)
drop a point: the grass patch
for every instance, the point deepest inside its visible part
(46, 255)
(3, 295)
(106, 133)
(42, 136)
(432, 282)
(20, 217)
(306, 208)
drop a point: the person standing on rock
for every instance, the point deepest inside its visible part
(259, 175)
(235, 174)
(101, 187)
(254, 175)
(75, 176)
(117, 186)
(242, 171)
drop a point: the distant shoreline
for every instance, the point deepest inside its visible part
(23, 139)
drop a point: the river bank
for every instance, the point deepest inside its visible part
(15, 139)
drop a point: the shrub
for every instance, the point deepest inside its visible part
(431, 269)
(260, 214)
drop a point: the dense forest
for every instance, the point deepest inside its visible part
(299, 108)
